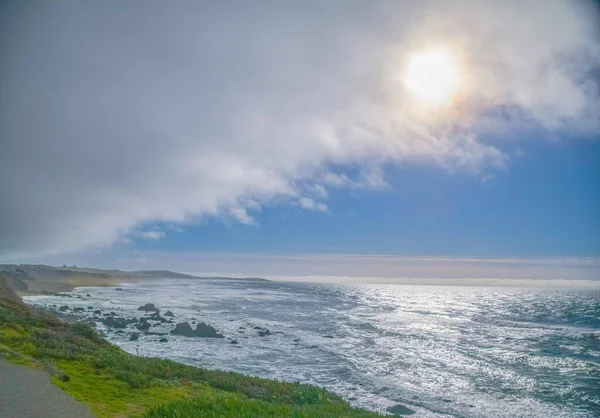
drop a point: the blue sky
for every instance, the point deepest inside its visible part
(423, 139)
(544, 203)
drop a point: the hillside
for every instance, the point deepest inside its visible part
(114, 383)
(39, 278)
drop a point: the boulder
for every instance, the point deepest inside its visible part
(113, 322)
(156, 317)
(63, 308)
(183, 328)
(206, 331)
(400, 409)
(233, 342)
(163, 340)
(134, 337)
(98, 312)
(264, 333)
(78, 309)
(149, 307)
(202, 330)
(169, 313)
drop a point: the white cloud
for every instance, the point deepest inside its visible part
(311, 204)
(152, 235)
(111, 118)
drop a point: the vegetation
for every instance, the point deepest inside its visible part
(114, 383)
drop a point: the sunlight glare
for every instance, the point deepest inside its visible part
(433, 76)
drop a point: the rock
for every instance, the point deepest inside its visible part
(169, 313)
(63, 308)
(242, 328)
(143, 325)
(163, 340)
(98, 312)
(206, 331)
(264, 333)
(183, 328)
(90, 308)
(257, 327)
(134, 337)
(88, 295)
(120, 332)
(328, 336)
(149, 307)
(233, 342)
(79, 309)
(113, 322)
(241, 332)
(297, 340)
(119, 288)
(156, 317)
(400, 409)
(202, 330)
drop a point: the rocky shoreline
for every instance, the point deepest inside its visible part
(148, 322)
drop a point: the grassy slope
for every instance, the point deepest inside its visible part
(114, 383)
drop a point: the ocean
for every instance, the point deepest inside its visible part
(441, 351)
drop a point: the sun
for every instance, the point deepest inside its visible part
(433, 76)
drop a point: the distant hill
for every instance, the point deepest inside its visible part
(39, 278)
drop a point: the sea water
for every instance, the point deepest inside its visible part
(441, 351)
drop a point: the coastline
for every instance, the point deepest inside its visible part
(112, 382)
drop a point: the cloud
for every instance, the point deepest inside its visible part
(114, 115)
(152, 235)
(311, 204)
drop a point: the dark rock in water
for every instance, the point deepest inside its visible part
(113, 322)
(297, 340)
(257, 327)
(120, 332)
(63, 308)
(183, 328)
(132, 320)
(163, 340)
(242, 328)
(446, 400)
(134, 337)
(112, 313)
(98, 312)
(264, 333)
(79, 309)
(90, 308)
(234, 342)
(241, 332)
(168, 313)
(206, 331)
(119, 288)
(143, 327)
(88, 295)
(202, 330)
(400, 409)
(157, 317)
(328, 336)
(149, 307)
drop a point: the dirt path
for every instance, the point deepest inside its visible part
(27, 393)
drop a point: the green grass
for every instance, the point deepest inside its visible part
(114, 383)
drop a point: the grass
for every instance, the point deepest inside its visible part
(114, 383)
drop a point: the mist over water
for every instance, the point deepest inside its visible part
(441, 351)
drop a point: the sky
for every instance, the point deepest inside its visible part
(294, 138)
